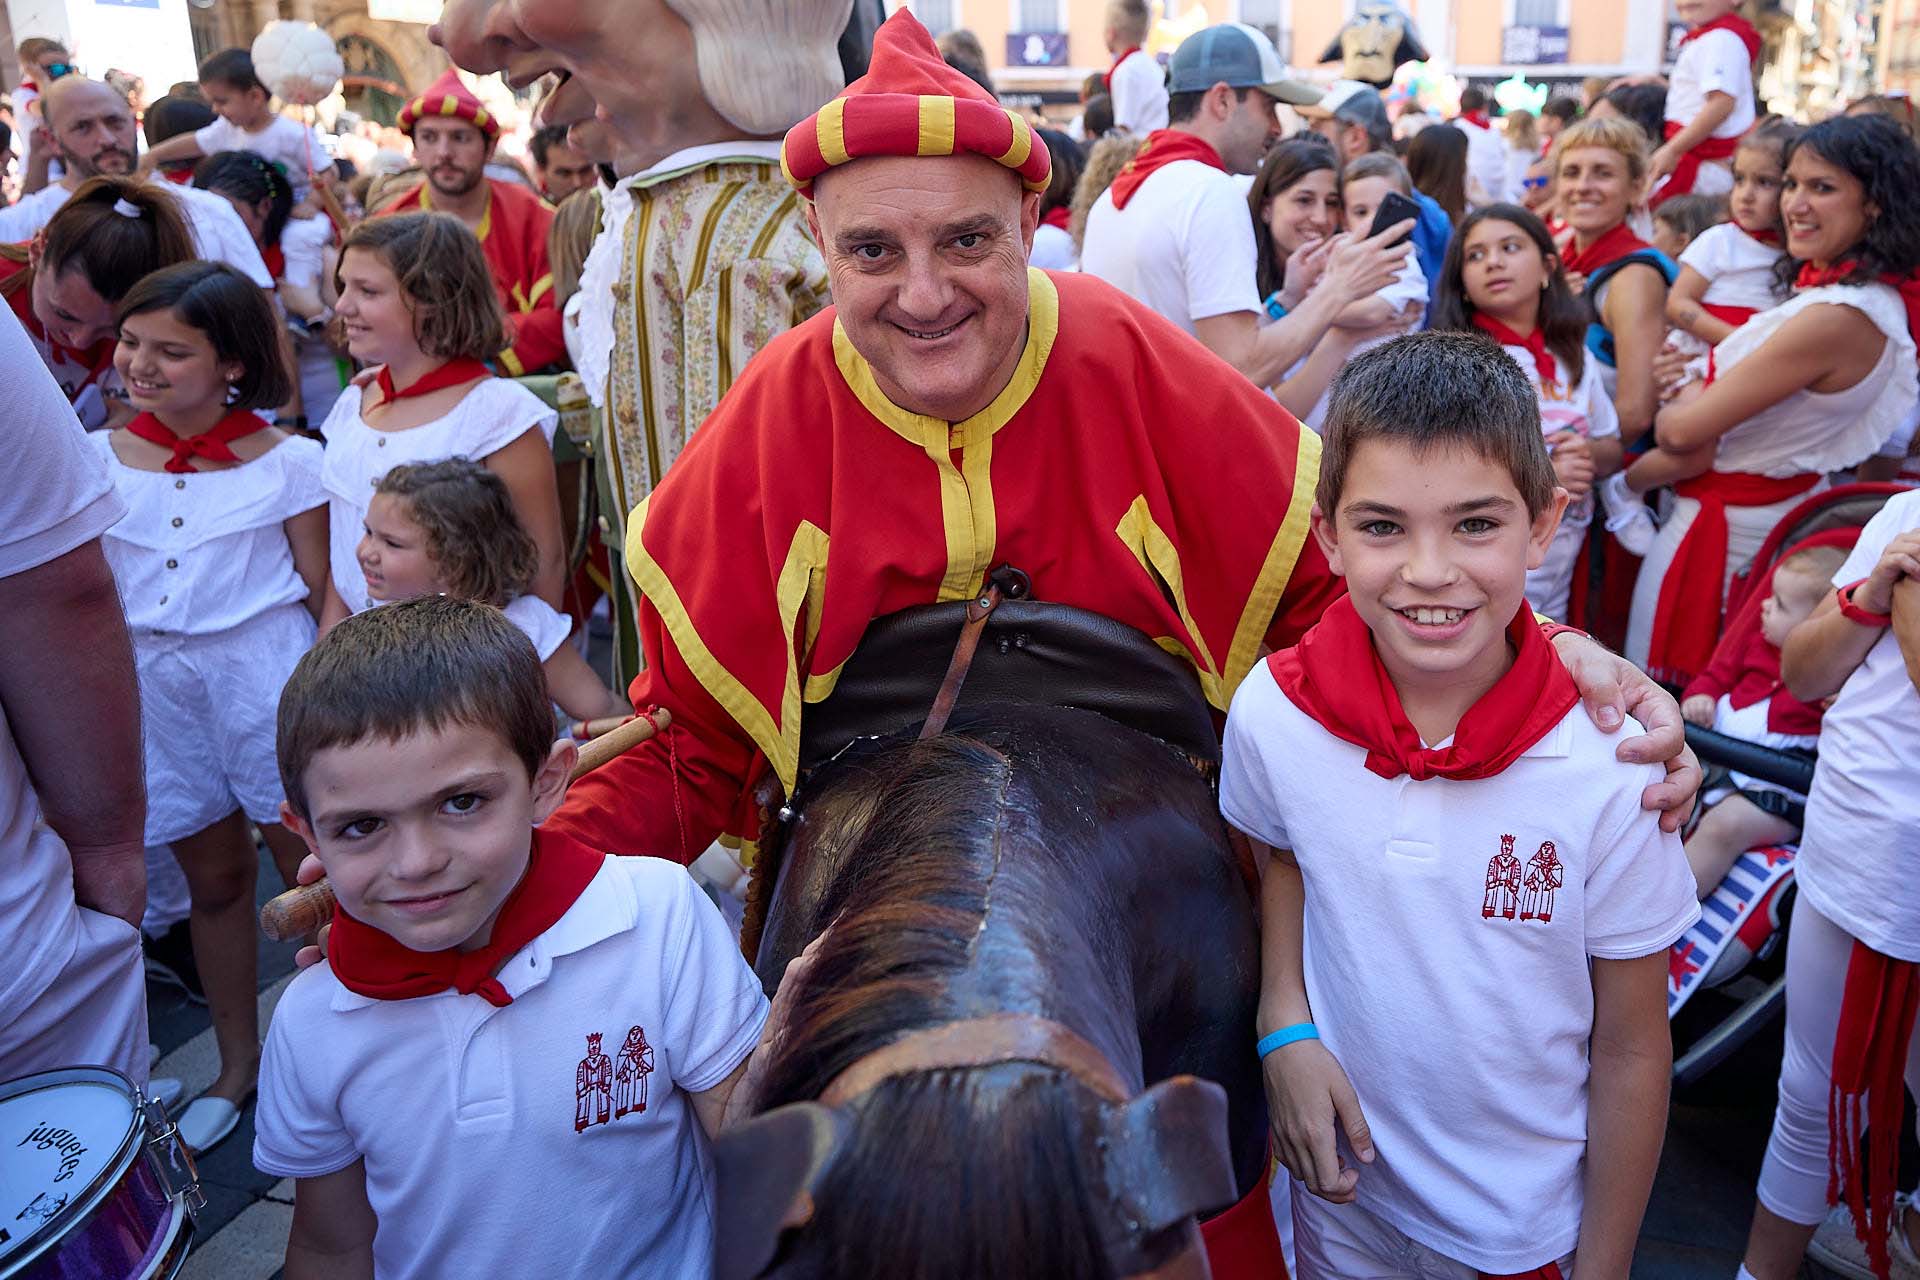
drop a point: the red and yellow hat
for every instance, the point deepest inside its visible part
(450, 98)
(911, 103)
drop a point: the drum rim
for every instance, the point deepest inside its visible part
(88, 1198)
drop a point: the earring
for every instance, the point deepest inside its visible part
(233, 393)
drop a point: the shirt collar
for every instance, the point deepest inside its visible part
(689, 158)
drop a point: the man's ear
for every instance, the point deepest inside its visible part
(551, 778)
(1029, 216)
(1327, 535)
(813, 223)
(299, 826)
(1545, 525)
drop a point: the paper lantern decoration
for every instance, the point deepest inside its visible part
(297, 61)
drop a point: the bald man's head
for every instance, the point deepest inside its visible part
(92, 125)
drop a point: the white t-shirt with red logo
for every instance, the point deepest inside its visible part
(1449, 926)
(552, 1136)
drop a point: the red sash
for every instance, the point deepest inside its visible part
(1617, 243)
(1686, 170)
(1242, 1243)
(276, 259)
(1686, 620)
(1162, 147)
(1126, 53)
(1535, 344)
(371, 963)
(1877, 1009)
(1335, 675)
(1735, 316)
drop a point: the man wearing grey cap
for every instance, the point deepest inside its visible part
(1353, 117)
(1173, 230)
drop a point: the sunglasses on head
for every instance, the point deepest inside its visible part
(55, 70)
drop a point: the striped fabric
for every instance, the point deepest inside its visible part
(716, 263)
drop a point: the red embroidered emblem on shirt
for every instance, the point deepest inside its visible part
(1545, 875)
(1503, 883)
(592, 1087)
(630, 1072)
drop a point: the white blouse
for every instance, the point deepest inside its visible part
(488, 418)
(1814, 431)
(204, 551)
(545, 625)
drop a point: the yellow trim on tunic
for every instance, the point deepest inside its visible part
(1263, 600)
(966, 490)
(936, 126)
(1156, 553)
(486, 214)
(802, 585)
(540, 286)
(511, 363)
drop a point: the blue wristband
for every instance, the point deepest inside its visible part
(1285, 1036)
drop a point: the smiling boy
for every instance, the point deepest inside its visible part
(1465, 916)
(442, 1090)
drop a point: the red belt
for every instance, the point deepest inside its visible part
(1686, 621)
(1242, 1243)
(1687, 168)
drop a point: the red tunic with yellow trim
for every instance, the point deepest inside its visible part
(513, 233)
(1125, 468)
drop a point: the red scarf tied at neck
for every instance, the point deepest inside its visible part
(1124, 54)
(1335, 675)
(210, 444)
(1059, 216)
(1478, 119)
(371, 963)
(1162, 148)
(1616, 244)
(1535, 344)
(1908, 286)
(451, 374)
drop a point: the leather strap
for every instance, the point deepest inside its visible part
(981, 1042)
(1004, 583)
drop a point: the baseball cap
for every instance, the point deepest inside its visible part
(1239, 57)
(1354, 102)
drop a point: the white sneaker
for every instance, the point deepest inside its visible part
(1836, 1247)
(1628, 518)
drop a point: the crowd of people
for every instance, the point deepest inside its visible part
(1411, 405)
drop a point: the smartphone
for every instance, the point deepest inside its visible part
(1394, 208)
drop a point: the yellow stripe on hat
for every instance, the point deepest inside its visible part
(832, 127)
(449, 105)
(936, 126)
(1022, 142)
(480, 116)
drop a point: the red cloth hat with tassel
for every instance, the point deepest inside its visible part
(448, 97)
(911, 103)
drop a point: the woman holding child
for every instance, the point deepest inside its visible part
(1812, 386)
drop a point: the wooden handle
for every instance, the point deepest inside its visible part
(299, 911)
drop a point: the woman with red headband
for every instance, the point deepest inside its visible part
(1813, 386)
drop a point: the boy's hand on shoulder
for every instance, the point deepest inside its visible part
(1307, 1094)
(1698, 710)
(1900, 560)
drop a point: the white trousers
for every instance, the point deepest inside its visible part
(1345, 1242)
(1793, 1178)
(93, 1013)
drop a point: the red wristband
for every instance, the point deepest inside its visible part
(1551, 630)
(1854, 613)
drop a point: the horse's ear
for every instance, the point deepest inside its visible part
(1167, 1157)
(765, 1173)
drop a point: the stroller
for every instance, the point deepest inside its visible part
(1726, 976)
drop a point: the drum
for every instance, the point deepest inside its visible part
(94, 1180)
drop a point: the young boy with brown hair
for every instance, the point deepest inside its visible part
(1465, 914)
(518, 1047)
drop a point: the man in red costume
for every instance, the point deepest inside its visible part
(453, 136)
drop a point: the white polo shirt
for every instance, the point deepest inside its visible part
(1715, 63)
(503, 1141)
(1863, 813)
(284, 141)
(1138, 87)
(1737, 268)
(1183, 245)
(1447, 972)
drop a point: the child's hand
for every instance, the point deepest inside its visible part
(1698, 710)
(1307, 1091)
(1576, 281)
(1900, 560)
(1670, 367)
(1662, 163)
(1572, 462)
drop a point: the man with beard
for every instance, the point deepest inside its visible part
(453, 135)
(703, 256)
(93, 127)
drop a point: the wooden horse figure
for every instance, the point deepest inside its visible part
(1024, 1046)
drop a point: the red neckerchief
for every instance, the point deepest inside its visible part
(276, 259)
(1766, 235)
(1617, 243)
(371, 963)
(1535, 344)
(210, 444)
(1335, 675)
(1125, 53)
(1162, 147)
(180, 177)
(1478, 119)
(1748, 33)
(1058, 216)
(1877, 1007)
(450, 374)
(17, 279)
(1908, 286)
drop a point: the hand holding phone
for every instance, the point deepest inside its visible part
(1394, 208)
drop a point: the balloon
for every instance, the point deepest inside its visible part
(297, 61)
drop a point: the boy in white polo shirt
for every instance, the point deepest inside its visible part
(512, 1060)
(1463, 990)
